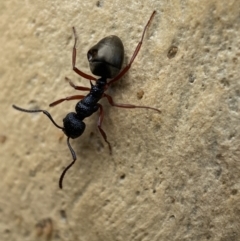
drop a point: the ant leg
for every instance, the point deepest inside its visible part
(73, 97)
(127, 67)
(99, 124)
(111, 102)
(77, 87)
(74, 53)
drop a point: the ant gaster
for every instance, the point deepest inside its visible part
(105, 60)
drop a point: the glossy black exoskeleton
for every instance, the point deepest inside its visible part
(106, 57)
(105, 60)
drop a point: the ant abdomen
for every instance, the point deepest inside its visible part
(106, 57)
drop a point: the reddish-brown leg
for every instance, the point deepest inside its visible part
(74, 53)
(111, 102)
(77, 87)
(73, 97)
(127, 67)
(99, 124)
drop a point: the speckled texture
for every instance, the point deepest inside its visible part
(172, 176)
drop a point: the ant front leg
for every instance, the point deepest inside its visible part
(112, 103)
(99, 124)
(77, 87)
(74, 53)
(128, 66)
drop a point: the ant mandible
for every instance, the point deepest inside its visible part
(105, 60)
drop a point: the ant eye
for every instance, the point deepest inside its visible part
(92, 54)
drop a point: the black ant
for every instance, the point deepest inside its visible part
(105, 60)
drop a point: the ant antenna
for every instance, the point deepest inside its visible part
(68, 143)
(66, 169)
(43, 111)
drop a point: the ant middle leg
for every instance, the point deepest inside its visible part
(112, 103)
(128, 66)
(74, 53)
(99, 124)
(73, 97)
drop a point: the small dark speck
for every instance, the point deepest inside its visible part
(234, 60)
(231, 136)
(3, 138)
(137, 193)
(91, 135)
(107, 201)
(63, 214)
(191, 78)
(99, 4)
(225, 82)
(218, 172)
(172, 52)
(234, 191)
(122, 176)
(140, 94)
(219, 156)
(154, 191)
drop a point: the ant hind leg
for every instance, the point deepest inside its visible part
(99, 124)
(112, 103)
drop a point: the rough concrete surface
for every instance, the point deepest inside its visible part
(172, 176)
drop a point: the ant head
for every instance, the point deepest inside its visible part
(72, 126)
(106, 57)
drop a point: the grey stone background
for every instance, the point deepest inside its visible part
(172, 176)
